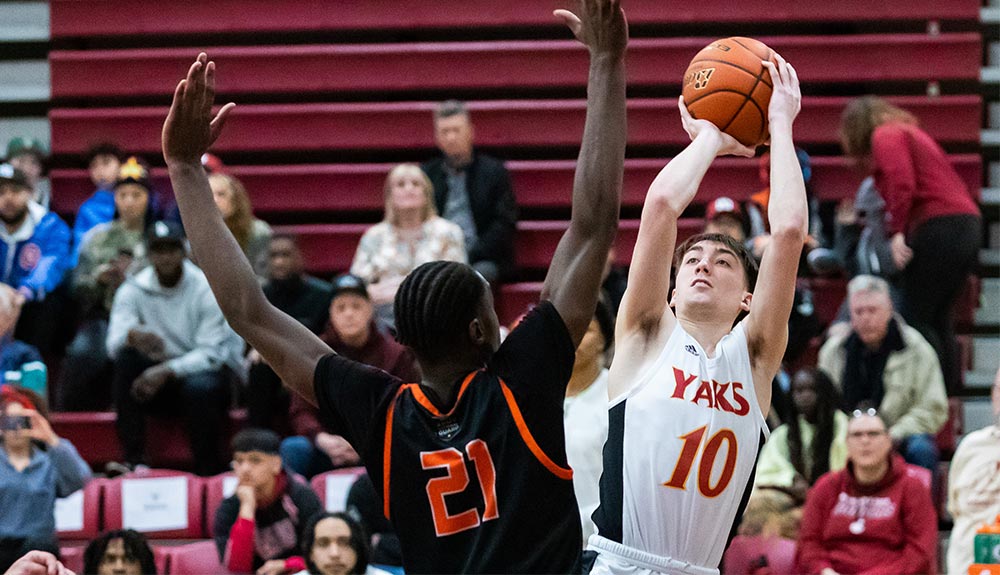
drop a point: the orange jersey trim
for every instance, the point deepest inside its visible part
(529, 440)
(387, 452)
(427, 404)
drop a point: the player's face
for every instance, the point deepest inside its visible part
(116, 562)
(331, 551)
(256, 469)
(710, 277)
(870, 315)
(868, 442)
(453, 136)
(407, 191)
(350, 315)
(104, 170)
(131, 201)
(804, 394)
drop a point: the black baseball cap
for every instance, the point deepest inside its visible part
(348, 283)
(164, 232)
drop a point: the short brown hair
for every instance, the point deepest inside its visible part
(750, 267)
(861, 117)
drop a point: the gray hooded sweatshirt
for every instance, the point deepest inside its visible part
(195, 333)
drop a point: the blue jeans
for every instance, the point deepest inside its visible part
(302, 457)
(921, 449)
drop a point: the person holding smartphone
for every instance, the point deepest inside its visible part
(36, 467)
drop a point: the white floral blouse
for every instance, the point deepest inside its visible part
(386, 254)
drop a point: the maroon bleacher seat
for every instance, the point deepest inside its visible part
(193, 518)
(515, 299)
(215, 493)
(195, 558)
(93, 18)
(92, 500)
(322, 127)
(537, 183)
(71, 556)
(335, 484)
(493, 65)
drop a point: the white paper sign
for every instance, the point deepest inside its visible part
(154, 504)
(337, 487)
(69, 512)
(229, 484)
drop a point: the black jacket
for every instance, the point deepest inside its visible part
(494, 208)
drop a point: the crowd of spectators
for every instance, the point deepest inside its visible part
(838, 486)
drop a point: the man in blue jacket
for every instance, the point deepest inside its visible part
(34, 256)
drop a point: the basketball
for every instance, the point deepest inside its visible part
(727, 85)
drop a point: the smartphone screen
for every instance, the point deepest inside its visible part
(14, 422)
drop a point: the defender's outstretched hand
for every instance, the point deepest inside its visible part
(729, 146)
(601, 26)
(786, 97)
(190, 128)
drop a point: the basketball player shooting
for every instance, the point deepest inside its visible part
(690, 384)
(470, 462)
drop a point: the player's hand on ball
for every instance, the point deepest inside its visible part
(786, 97)
(190, 128)
(600, 26)
(728, 146)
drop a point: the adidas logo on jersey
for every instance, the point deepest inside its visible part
(691, 349)
(711, 394)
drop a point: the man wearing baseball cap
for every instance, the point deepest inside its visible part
(29, 155)
(172, 349)
(724, 216)
(35, 242)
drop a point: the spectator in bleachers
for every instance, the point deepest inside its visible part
(103, 164)
(810, 443)
(874, 516)
(884, 362)
(933, 220)
(305, 298)
(36, 467)
(766, 540)
(474, 191)
(111, 250)
(410, 234)
(353, 333)
(259, 528)
(35, 244)
(119, 552)
(172, 351)
(974, 486)
(336, 544)
(29, 155)
(585, 415)
(13, 353)
(38, 563)
(252, 234)
(860, 244)
(724, 216)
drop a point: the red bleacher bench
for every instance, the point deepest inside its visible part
(217, 489)
(195, 558)
(537, 183)
(318, 127)
(78, 517)
(162, 504)
(549, 64)
(332, 487)
(94, 18)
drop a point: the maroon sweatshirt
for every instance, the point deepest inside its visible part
(380, 351)
(915, 178)
(889, 527)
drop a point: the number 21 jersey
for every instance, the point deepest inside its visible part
(681, 452)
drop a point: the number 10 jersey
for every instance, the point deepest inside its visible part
(681, 452)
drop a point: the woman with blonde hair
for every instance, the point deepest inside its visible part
(251, 234)
(933, 221)
(410, 234)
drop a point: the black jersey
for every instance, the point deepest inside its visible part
(484, 487)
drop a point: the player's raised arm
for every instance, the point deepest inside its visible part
(788, 216)
(574, 277)
(644, 311)
(290, 348)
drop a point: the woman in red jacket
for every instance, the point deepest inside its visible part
(933, 220)
(874, 517)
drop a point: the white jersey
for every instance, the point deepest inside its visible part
(681, 451)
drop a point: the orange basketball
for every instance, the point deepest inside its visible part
(727, 85)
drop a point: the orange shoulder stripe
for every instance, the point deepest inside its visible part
(522, 427)
(427, 404)
(387, 449)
